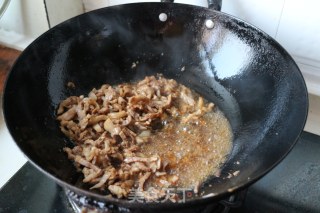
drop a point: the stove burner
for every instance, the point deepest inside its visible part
(83, 204)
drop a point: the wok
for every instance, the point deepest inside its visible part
(246, 73)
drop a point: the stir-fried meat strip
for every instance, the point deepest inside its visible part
(109, 125)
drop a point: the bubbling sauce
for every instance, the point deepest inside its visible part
(194, 151)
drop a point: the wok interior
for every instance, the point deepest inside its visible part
(244, 72)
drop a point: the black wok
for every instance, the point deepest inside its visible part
(249, 76)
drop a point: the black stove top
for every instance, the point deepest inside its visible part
(292, 186)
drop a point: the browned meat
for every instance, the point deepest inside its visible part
(118, 191)
(109, 126)
(143, 179)
(68, 103)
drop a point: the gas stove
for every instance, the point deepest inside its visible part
(292, 186)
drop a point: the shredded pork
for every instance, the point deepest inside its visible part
(110, 124)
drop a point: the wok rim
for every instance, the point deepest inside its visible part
(154, 205)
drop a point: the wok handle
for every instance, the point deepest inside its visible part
(215, 4)
(212, 4)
